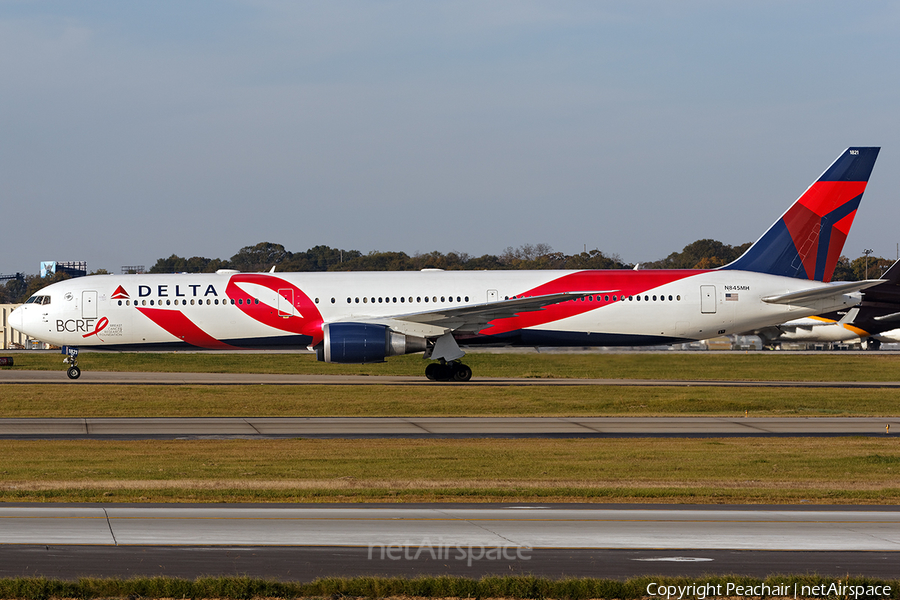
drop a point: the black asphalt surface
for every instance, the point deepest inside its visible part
(308, 563)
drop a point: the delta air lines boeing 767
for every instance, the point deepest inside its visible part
(365, 317)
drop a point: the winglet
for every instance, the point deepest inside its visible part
(807, 240)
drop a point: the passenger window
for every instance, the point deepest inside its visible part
(365, 300)
(120, 303)
(670, 298)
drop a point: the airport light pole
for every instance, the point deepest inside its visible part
(867, 252)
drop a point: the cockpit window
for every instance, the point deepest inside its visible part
(38, 300)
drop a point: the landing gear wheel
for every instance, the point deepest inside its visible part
(452, 371)
(444, 372)
(71, 359)
(431, 371)
(439, 372)
(461, 372)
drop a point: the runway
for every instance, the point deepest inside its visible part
(442, 427)
(15, 376)
(307, 541)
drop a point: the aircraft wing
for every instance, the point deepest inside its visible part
(820, 293)
(476, 317)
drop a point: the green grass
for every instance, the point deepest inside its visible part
(524, 586)
(779, 470)
(764, 366)
(732, 470)
(83, 400)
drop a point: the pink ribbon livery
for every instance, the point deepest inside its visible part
(100, 326)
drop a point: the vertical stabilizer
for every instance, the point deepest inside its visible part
(807, 240)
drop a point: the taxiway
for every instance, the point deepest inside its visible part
(306, 541)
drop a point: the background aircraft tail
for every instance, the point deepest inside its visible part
(806, 241)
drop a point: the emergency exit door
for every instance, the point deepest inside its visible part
(89, 305)
(708, 299)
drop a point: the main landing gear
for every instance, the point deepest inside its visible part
(71, 359)
(446, 351)
(448, 371)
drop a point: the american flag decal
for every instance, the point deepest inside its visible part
(731, 297)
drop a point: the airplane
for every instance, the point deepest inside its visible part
(364, 317)
(872, 322)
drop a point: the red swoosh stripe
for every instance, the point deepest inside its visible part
(625, 283)
(309, 324)
(183, 328)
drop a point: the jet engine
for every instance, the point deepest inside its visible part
(364, 343)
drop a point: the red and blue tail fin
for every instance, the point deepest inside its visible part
(806, 241)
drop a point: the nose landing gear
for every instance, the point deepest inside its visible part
(71, 359)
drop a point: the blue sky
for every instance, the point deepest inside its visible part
(130, 131)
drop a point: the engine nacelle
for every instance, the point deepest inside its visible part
(364, 343)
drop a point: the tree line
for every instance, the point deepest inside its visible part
(702, 254)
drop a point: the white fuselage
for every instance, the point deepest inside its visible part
(290, 309)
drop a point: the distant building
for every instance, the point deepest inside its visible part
(76, 268)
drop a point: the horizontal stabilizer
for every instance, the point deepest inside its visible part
(850, 317)
(820, 293)
(889, 318)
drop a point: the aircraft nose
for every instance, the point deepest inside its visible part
(16, 318)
